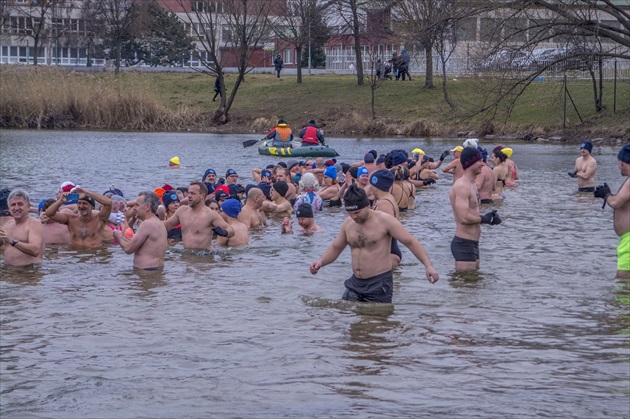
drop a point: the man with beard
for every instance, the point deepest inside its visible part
(86, 226)
(369, 234)
(22, 236)
(198, 222)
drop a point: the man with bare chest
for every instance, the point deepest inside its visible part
(250, 214)
(22, 237)
(620, 203)
(585, 168)
(382, 181)
(485, 180)
(148, 245)
(464, 198)
(198, 222)
(369, 234)
(86, 226)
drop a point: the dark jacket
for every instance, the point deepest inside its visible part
(278, 63)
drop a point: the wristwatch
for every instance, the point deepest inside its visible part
(14, 242)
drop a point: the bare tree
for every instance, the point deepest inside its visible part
(352, 15)
(586, 32)
(429, 22)
(294, 27)
(241, 25)
(113, 20)
(34, 21)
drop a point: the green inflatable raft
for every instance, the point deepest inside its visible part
(266, 149)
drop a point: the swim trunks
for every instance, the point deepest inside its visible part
(395, 250)
(486, 201)
(378, 289)
(587, 189)
(464, 250)
(623, 253)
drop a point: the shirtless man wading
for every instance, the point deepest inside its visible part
(198, 221)
(149, 243)
(585, 168)
(620, 202)
(85, 227)
(464, 198)
(22, 236)
(369, 234)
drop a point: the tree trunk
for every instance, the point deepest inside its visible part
(117, 54)
(357, 44)
(298, 50)
(35, 45)
(444, 89)
(428, 82)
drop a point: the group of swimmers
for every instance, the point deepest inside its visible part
(373, 192)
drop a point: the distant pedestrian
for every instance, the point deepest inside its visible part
(278, 64)
(217, 88)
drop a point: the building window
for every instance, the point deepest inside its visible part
(207, 7)
(288, 56)
(226, 34)
(490, 29)
(466, 30)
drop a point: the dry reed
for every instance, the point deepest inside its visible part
(53, 98)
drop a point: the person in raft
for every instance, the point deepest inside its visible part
(311, 135)
(369, 234)
(281, 134)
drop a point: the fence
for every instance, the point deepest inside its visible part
(339, 62)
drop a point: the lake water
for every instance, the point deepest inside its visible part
(540, 331)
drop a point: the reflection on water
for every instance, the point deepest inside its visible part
(540, 330)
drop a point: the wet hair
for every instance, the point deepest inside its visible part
(182, 189)
(400, 173)
(202, 187)
(500, 155)
(209, 200)
(47, 204)
(309, 182)
(152, 199)
(19, 193)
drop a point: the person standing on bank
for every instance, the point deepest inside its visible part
(311, 135)
(464, 198)
(585, 168)
(620, 202)
(278, 64)
(149, 243)
(369, 234)
(22, 237)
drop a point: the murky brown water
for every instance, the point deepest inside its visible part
(541, 330)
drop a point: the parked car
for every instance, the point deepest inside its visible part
(500, 60)
(534, 60)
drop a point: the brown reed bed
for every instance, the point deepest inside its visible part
(50, 98)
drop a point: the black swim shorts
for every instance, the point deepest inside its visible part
(378, 289)
(486, 201)
(395, 250)
(587, 189)
(465, 250)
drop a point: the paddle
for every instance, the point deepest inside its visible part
(250, 143)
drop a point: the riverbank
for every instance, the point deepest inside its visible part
(48, 98)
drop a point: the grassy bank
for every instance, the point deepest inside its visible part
(52, 98)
